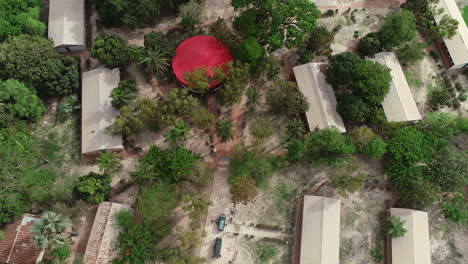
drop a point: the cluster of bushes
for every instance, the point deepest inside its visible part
(316, 43)
(360, 85)
(443, 93)
(20, 17)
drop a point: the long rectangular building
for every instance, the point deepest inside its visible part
(320, 239)
(67, 24)
(322, 102)
(399, 104)
(457, 46)
(97, 111)
(414, 246)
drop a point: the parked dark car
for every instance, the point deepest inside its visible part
(221, 222)
(217, 248)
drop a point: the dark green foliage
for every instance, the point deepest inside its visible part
(375, 149)
(124, 93)
(33, 61)
(250, 51)
(409, 145)
(17, 101)
(456, 209)
(21, 180)
(222, 32)
(110, 50)
(253, 165)
(369, 45)
(341, 69)
(435, 55)
(284, 98)
(411, 52)
(442, 125)
(353, 108)
(329, 141)
(317, 43)
(202, 118)
(61, 253)
(190, 14)
(439, 98)
(225, 129)
(20, 17)
(156, 40)
(395, 227)
(368, 143)
(296, 150)
(276, 24)
(372, 81)
(399, 28)
(170, 165)
(127, 13)
(235, 83)
(94, 188)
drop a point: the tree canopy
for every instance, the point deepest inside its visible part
(276, 24)
(285, 98)
(398, 28)
(110, 50)
(20, 17)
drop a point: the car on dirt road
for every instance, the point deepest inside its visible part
(221, 222)
(217, 248)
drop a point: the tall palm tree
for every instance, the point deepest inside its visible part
(49, 232)
(177, 135)
(109, 162)
(295, 129)
(144, 173)
(253, 97)
(395, 227)
(155, 61)
(225, 129)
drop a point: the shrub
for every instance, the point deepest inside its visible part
(202, 118)
(341, 69)
(455, 208)
(353, 108)
(395, 227)
(261, 130)
(156, 202)
(250, 51)
(411, 52)
(462, 97)
(156, 40)
(67, 106)
(317, 43)
(285, 98)
(93, 188)
(438, 98)
(253, 165)
(375, 149)
(296, 150)
(369, 45)
(398, 28)
(435, 55)
(329, 141)
(127, 13)
(62, 253)
(123, 93)
(221, 31)
(458, 86)
(243, 191)
(110, 50)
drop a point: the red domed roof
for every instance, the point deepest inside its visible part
(200, 51)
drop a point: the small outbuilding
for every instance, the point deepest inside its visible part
(97, 111)
(457, 46)
(320, 238)
(414, 246)
(104, 233)
(67, 24)
(322, 101)
(399, 104)
(17, 246)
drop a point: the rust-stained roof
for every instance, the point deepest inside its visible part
(17, 246)
(101, 243)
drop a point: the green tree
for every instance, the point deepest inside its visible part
(372, 81)
(446, 28)
(61, 254)
(295, 129)
(156, 40)
(177, 135)
(368, 143)
(109, 162)
(123, 93)
(251, 164)
(235, 84)
(225, 130)
(329, 141)
(190, 14)
(19, 102)
(285, 98)
(156, 202)
(127, 13)
(110, 50)
(317, 43)
(455, 208)
(33, 61)
(296, 150)
(395, 227)
(49, 231)
(155, 62)
(375, 149)
(341, 69)
(129, 121)
(442, 125)
(176, 103)
(253, 98)
(250, 51)
(276, 24)
(94, 188)
(411, 52)
(369, 45)
(398, 28)
(353, 109)
(20, 17)
(202, 118)
(261, 130)
(198, 80)
(221, 31)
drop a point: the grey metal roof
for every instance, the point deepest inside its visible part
(66, 22)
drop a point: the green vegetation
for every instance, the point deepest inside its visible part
(225, 130)
(328, 142)
(275, 24)
(109, 162)
(93, 188)
(235, 83)
(265, 253)
(395, 227)
(368, 143)
(316, 43)
(398, 28)
(20, 17)
(411, 52)
(123, 94)
(177, 135)
(110, 50)
(250, 51)
(465, 14)
(49, 231)
(284, 98)
(261, 130)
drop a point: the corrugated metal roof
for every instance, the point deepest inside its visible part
(104, 233)
(399, 103)
(17, 246)
(322, 102)
(66, 22)
(320, 243)
(97, 111)
(413, 247)
(458, 45)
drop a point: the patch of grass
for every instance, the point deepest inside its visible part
(413, 77)
(465, 14)
(377, 253)
(265, 253)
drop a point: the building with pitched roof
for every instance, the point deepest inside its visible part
(67, 24)
(322, 102)
(97, 112)
(399, 104)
